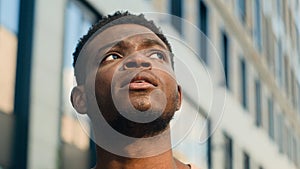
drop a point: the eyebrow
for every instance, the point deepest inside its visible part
(109, 45)
(148, 42)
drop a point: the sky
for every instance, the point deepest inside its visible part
(9, 11)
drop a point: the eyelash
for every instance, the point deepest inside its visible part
(108, 57)
(162, 55)
(115, 56)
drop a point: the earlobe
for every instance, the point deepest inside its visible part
(179, 97)
(78, 99)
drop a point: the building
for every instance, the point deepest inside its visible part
(258, 42)
(252, 51)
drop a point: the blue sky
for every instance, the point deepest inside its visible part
(9, 14)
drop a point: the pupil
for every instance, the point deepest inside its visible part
(159, 56)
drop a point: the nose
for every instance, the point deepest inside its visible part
(137, 61)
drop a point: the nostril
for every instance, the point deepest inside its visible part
(145, 64)
(137, 64)
(131, 65)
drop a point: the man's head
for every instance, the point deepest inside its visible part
(126, 65)
(111, 20)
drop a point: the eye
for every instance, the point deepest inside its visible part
(157, 55)
(111, 57)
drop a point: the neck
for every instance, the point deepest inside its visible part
(106, 160)
(146, 154)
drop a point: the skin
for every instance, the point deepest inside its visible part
(131, 75)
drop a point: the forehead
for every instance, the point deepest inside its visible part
(123, 31)
(115, 34)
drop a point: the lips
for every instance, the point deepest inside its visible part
(141, 81)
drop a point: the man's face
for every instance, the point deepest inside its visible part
(135, 86)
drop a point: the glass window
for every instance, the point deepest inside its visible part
(244, 83)
(286, 76)
(285, 140)
(257, 24)
(258, 120)
(79, 17)
(203, 25)
(78, 22)
(288, 142)
(279, 64)
(292, 26)
(9, 14)
(298, 86)
(225, 52)
(246, 161)
(298, 43)
(176, 9)
(284, 14)
(271, 118)
(228, 152)
(298, 151)
(280, 132)
(267, 38)
(241, 8)
(278, 5)
(294, 150)
(293, 88)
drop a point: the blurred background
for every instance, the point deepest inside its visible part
(258, 42)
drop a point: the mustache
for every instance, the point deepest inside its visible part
(144, 75)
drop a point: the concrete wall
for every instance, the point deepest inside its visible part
(44, 137)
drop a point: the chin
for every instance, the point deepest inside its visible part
(141, 130)
(141, 104)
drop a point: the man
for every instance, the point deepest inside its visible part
(126, 85)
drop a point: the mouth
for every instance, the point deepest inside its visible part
(142, 81)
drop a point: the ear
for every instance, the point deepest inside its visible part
(179, 97)
(78, 99)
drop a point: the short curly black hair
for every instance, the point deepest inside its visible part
(111, 20)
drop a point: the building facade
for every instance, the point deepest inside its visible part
(249, 50)
(258, 42)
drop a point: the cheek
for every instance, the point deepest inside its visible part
(105, 75)
(102, 91)
(169, 80)
(102, 82)
(170, 90)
